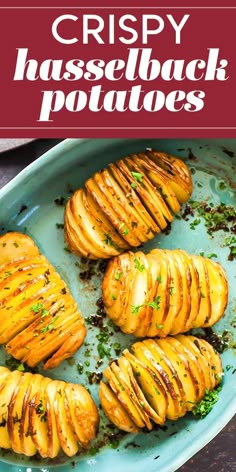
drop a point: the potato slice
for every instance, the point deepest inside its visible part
(147, 193)
(73, 238)
(26, 430)
(15, 412)
(168, 197)
(16, 245)
(87, 226)
(7, 389)
(114, 410)
(114, 285)
(161, 300)
(128, 184)
(177, 405)
(181, 366)
(82, 412)
(136, 400)
(73, 341)
(218, 291)
(214, 360)
(126, 368)
(176, 172)
(147, 352)
(38, 420)
(181, 320)
(64, 430)
(136, 310)
(175, 289)
(194, 367)
(104, 226)
(195, 295)
(50, 389)
(131, 219)
(119, 390)
(189, 343)
(114, 213)
(149, 384)
(204, 314)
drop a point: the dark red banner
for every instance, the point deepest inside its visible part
(117, 71)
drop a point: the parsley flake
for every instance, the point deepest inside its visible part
(137, 176)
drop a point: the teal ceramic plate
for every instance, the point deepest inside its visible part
(28, 204)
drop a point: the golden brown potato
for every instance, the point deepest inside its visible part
(126, 204)
(158, 379)
(39, 317)
(43, 415)
(163, 292)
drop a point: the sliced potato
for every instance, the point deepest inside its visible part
(132, 410)
(218, 291)
(164, 292)
(16, 245)
(7, 389)
(114, 410)
(43, 415)
(34, 306)
(129, 201)
(164, 378)
(205, 309)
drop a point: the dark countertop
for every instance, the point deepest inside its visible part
(219, 455)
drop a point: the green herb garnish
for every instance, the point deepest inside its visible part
(206, 404)
(138, 265)
(135, 309)
(37, 307)
(118, 275)
(137, 176)
(155, 304)
(195, 223)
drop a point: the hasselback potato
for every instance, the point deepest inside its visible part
(40, 415)
(39, 317)
(158, 379)
(163, 292)
(126, 204)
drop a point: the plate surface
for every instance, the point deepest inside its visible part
(27, 204)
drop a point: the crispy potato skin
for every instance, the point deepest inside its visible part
(163, 292)
(157, 380)
(39, 317)
(43, 415)
(126, 204)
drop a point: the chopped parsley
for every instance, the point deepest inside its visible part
(138, 265)
(37, 307)
(133, 185)
(103, 351)
(230, 240)
(159, 326)
(113, 296)
(50, 326)
(137, 176)
(155, 304)
(125, 232)
(206, 404)
(135, 309)
(108, 240)
(195, 223)
(118, 275)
